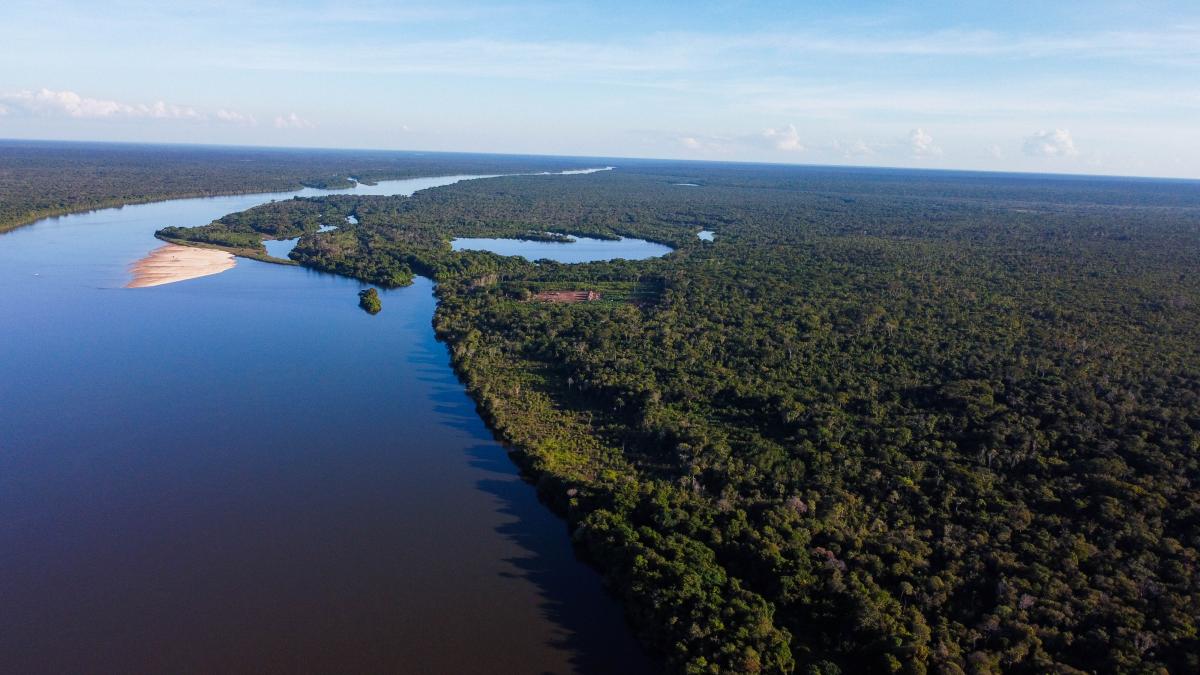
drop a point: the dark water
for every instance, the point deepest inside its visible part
(582, 249)
(245, 472)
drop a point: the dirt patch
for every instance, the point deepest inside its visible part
(566, 296)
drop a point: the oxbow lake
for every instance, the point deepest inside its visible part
(246, 473)
(579, 249)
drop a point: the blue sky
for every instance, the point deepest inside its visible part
(1082, 87)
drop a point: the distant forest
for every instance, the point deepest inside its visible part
(888, 421)
(41, 178)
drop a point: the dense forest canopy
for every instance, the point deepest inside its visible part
(41, 178)
(887, 421)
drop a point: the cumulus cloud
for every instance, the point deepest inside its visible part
(922, 145)
(50, 103)
(853, 149)
(234, 117)
(162, 110)
(995, 152)
(1057, 143)
(787, 138)
(72, 104)
(706, 143)
(292, 121)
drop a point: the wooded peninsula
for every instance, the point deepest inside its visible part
(887, 421)
(46, 178)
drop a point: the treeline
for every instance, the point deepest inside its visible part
(41, 178)
(887, 422)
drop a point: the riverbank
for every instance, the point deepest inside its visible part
(171, 262)
(241, 252)
(46, 179)
(332, 538)
(207, 401)
(42, 214)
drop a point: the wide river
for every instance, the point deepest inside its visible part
(247, 473)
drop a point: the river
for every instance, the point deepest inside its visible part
(247, 473)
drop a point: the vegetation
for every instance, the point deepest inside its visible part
(639, 292)
(369, 300)
(40, 179)
(887, 422)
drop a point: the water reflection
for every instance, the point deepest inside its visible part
(245, 472)
(578, 250)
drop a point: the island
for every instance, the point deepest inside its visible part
(369, 300)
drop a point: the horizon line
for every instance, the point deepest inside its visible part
(1108, 176)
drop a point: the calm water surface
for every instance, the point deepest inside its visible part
(246, 473)
(280, 248)
(581, 249)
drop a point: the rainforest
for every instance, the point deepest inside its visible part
(884, 421)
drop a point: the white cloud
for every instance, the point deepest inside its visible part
(853, 149)
(1057, 143)
(710, 145)
(995, 152)
(69, 103)
(784, 139)
(162, 110)
(922, 145)
(292, 121)
(50, 103)
(234, 117)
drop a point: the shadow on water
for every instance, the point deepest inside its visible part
(548, 561)
(244, 471)
(591, 624)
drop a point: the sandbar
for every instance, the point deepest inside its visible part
(171, 262)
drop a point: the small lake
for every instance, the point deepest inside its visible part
(706, 235)
(579, 250)
(246, 472)
(280, 248)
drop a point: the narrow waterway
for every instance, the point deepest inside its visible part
(245, 472)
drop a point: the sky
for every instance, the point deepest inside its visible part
(1101, 87)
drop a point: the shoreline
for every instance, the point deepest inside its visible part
(33, 219)
(121, 202)
(249, 254)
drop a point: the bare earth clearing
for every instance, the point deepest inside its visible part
(567, 296)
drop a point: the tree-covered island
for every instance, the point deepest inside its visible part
(368, 299)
